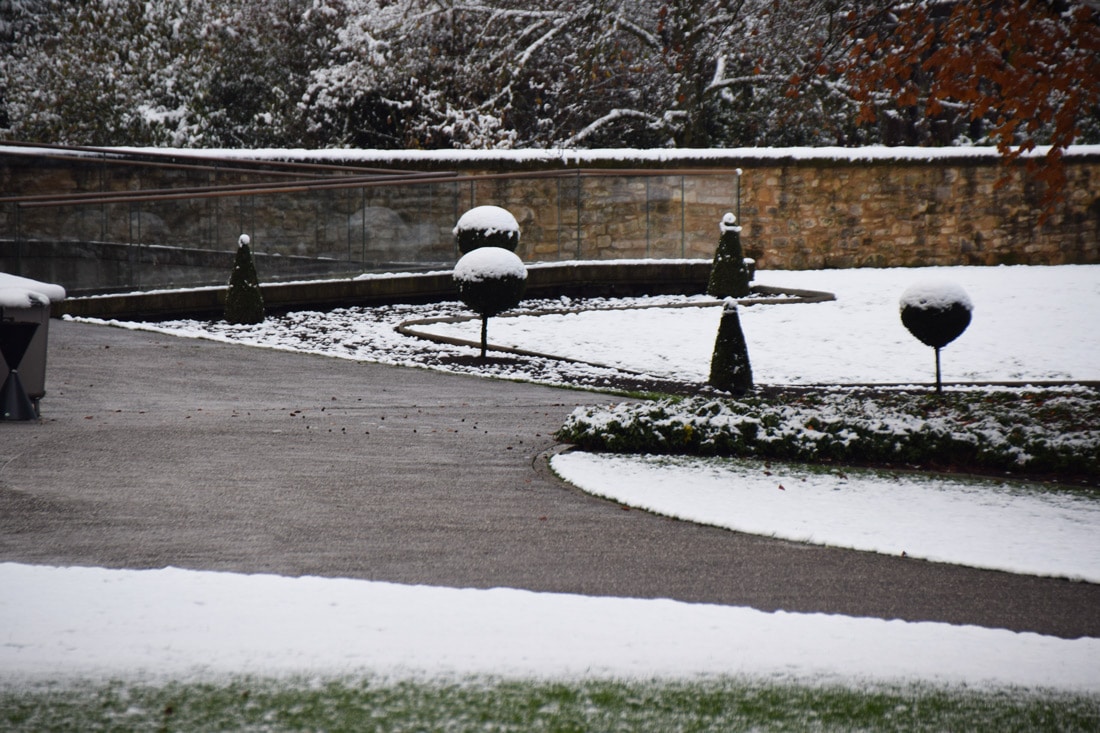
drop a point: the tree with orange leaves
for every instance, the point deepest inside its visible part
(1017, 73)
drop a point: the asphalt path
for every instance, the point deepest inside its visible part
(157, 451)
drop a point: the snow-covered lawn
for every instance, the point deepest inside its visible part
(1033, 323)
(157, 625)
(1029, 323)
(979, 523)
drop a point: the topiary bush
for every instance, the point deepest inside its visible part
(490, 280)
(730, 369)
(244, 302)
(486, 226)
(936, 313)
(731, 273)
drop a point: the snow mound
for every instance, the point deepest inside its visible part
(489, 263)
(729, 223)
(935, 294)
(488, 219)
(22, 292)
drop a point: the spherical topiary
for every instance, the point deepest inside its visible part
(244, 303)
(486, 226)
(730, 369)
(936, 313)
(490, 280)
(730, 274)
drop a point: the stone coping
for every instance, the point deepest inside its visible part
(552, 280)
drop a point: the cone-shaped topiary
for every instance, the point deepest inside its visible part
(936, 313)
(729, 366)
(730, 274)
(486, 226)
(490, 280)
(244, 303)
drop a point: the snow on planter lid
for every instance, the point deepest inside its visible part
(22, 292)
(935, 294)
(487, 219)
(489, 263)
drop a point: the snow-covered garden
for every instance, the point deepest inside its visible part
(1030, 324)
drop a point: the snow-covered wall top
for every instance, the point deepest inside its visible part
(617, 156)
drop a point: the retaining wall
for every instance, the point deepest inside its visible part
(799, 209)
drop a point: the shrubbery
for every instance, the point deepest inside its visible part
(490, 280)
(1050, 431)
(486, 226)
(244, 302)
(730, 274)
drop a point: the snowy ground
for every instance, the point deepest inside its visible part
(1030, 323)
(155, 625)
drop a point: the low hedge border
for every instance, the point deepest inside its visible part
(1033, 432)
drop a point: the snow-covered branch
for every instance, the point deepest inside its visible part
(613, 116)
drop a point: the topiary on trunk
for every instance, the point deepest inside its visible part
(244, 303)
(490, 280)
(730, 369)
(486, 226)
(936, 313)
(730, 274)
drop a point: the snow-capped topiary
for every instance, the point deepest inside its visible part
(731, 273)
(490, 280)
(244, 302)
(730, 369)
(936, 313)
(486, 226)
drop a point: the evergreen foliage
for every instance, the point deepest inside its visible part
(936, 326)
(729, 275)
(730, 369)
(486, 287)
(486, 226)
(492, 296)
(470, 239)
(244, 302)
(936, 316)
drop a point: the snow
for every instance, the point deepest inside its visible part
(490, 219)
(489, 263)
(983, 524)
(935, 295)
(22, 292)
(59, 624)
(728, 223)
(1035, 324)
(580, 157)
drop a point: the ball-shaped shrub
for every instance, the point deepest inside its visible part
(490, 280)
(936, 313)
(486, 226)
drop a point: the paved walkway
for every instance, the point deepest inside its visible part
(156, 451)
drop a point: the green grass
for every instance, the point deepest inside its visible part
(374, 705)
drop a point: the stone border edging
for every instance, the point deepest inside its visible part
(549, 280)
(408, 328)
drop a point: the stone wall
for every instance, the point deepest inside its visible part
(799, 209)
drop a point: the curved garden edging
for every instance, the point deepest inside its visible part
(772, 296)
